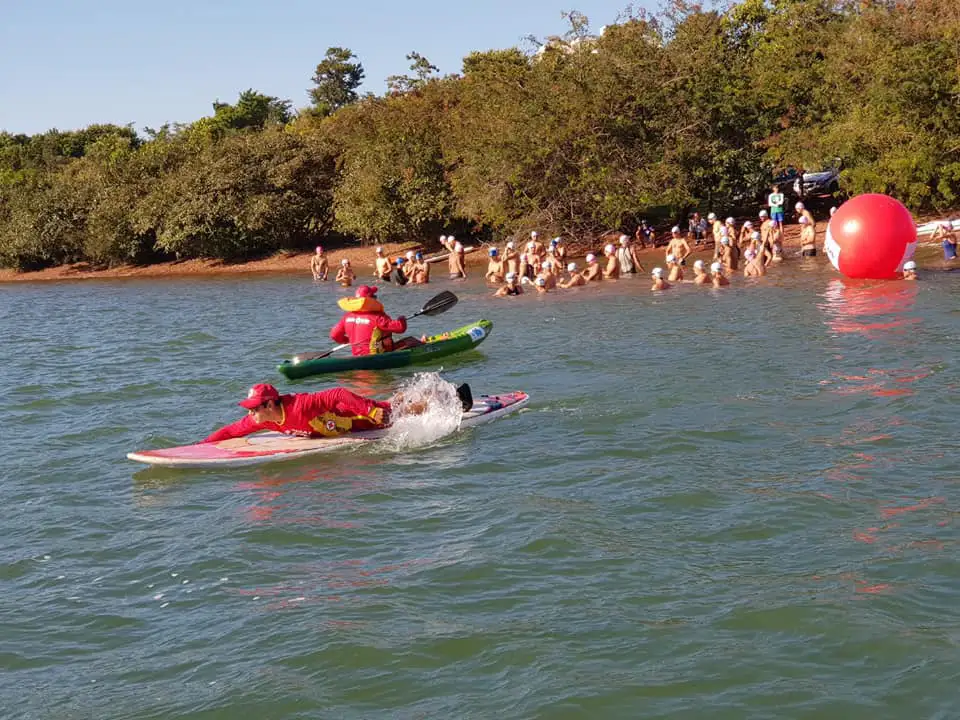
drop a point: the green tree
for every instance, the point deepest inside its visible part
(335, 81)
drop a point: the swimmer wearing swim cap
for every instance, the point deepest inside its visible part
(593, 272)
(659, 283)
(700, 276)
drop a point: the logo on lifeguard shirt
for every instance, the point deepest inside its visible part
(331, 426)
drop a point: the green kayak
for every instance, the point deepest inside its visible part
(438, 346)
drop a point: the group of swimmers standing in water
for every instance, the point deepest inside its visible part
(751, 248)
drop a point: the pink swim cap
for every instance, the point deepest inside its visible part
(319, 249)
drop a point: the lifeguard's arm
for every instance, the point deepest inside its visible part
(242, 427)
(339, 331)
(386, 324)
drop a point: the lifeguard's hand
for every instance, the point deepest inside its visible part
(402, 318)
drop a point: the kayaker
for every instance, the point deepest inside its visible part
(319, 265)
(365, 326)
(381, 266)
(327, 413)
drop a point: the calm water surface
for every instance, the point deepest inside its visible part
(733, 504)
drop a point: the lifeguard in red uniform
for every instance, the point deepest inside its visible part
(365, 326)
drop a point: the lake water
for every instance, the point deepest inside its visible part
(719, 504)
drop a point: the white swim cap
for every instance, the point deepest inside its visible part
(803, 219)
(548, 263)
(344, 262)
(712, 216)
(511, 275)
(409, 254)
(590, 257)
(442, 238)
(511, 245)
(571, 267)
(450, 238)
(624, 239)
(657, 272)
(715, 268)
(541, 281)
(533, 233)
(832, 211)
(698, 265)
(763, 213)
(675, 229)
(671, 258)
(609, 248)
(379, 250)
(909, 265)
(747, 223)
(754, 235)
(730, 221)
(524, 280)
(799, 206)
(750, 253)
(724, 240)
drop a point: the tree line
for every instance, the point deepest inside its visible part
(656, 114)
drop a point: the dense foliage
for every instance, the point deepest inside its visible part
(691, 107)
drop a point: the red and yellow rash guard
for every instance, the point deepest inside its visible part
(327, 414)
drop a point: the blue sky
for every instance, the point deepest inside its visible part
(70, 63)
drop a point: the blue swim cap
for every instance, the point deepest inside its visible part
(400, 261)
(493, 252)
(555, 241)
(419, 256)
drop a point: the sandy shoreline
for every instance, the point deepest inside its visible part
(299, 262)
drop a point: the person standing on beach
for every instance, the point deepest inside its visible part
(319, 264)
(381, 266)
(948, 239)
(775, 201)
(808, 238)
(640, 236)
(678, 246)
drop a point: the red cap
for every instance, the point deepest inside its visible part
(366, 291)
(258, 395)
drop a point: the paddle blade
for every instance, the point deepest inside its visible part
(439, 303)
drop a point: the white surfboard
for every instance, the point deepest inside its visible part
(267, 447)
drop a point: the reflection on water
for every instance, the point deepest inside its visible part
(850, 305)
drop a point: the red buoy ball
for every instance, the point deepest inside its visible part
(871, 237)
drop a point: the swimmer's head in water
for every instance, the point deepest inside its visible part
(657, 272)
(715, 268)
(698, 265)
(571, 267)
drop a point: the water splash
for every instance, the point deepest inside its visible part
(441, 417)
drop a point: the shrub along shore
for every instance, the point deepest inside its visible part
(581, 135)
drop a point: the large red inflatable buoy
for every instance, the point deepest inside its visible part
(871, 237)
